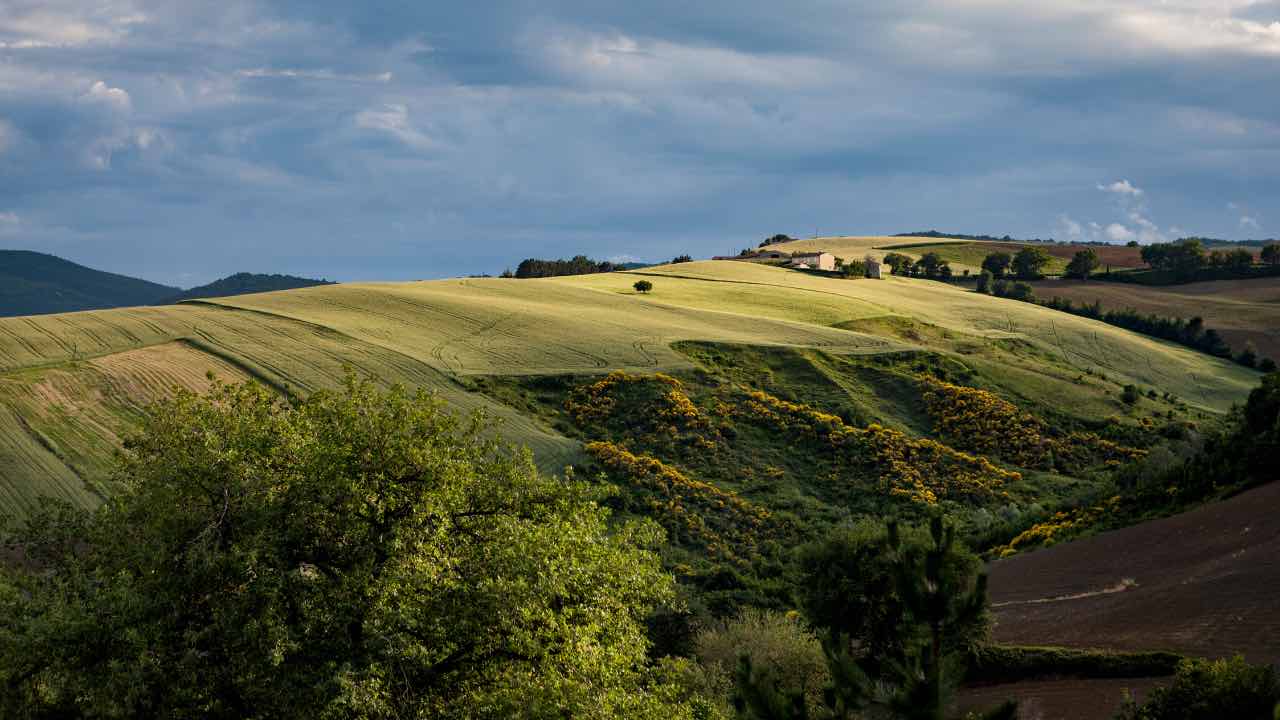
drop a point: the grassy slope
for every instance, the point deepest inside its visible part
(1066, 345)
(441, 334)
(1242, 310)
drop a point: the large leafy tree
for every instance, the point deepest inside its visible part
(997, 263)
(355, 554)
(1029, 263)
(1082, 264)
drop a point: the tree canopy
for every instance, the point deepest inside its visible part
(1082, 264)
(1029, 263)
(997, 263)
(355, 554)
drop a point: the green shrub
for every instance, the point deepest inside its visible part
(1211, 689)
(1013, 663)
(779, 644)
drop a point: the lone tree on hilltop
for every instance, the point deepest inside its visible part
(1083, 264)
(643, 286)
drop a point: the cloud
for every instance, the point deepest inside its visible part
(1119, 233)
(115, 97)
(1246, 219)
(171, 135)
(321, 74)
(1122, 188)
(393, 119)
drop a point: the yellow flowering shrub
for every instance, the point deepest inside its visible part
(654, 407)
(1062, 525)
(693, 512)
(917, 469)
(983, 422)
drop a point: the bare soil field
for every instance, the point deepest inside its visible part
(1205, 583)
(1058, 699)
(1242, 310)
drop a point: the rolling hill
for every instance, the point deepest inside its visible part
(1243, 311)
(72, 384)
(33, 283)
(245, 283)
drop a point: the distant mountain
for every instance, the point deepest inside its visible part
(33, 283)
(245, 283)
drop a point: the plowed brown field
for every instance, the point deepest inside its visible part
(1205, 583)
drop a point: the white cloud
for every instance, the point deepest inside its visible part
(1119, 233)
(621, 60)
(1250, 222)
(322, 74)
(1073, 230)
(393, 119)
(1122, 187)
(104, 93)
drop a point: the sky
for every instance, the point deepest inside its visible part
(184, 140)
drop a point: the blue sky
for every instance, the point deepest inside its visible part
(185, 140)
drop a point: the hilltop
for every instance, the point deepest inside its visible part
(244, 283)
(33, 283)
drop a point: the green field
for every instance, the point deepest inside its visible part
(73, 384)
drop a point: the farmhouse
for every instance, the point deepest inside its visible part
(873, 268)
(817, 260)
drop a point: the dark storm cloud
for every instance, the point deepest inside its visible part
(186, 140)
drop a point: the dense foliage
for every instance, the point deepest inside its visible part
(577, 265)
(900, 614)
(360, 554)
(1189, 260)
(1029, 263)
(1211, 689)
(1082, 264)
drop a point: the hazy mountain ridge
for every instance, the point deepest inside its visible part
(33, 283)
(243, 283)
